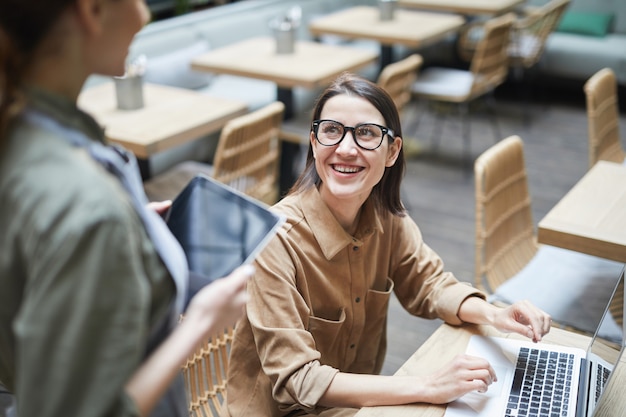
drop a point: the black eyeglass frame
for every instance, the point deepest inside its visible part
(386, 131)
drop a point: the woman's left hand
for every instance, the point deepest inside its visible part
(524, 318)
(161, 207)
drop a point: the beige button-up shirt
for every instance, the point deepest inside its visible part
(319, 300)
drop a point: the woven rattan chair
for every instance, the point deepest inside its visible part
(205, 375)
(247, 159)
(398, 77)
(248, 153)
(488, 69)
(511, 266)
(603, 118)
(529, 35)
(505, 237)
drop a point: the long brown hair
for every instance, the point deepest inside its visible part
(386, 193)
(23, 24)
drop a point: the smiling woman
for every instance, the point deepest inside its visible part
(314, 336)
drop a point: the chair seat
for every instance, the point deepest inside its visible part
(574, 288)
(448, 82)
(167, 185)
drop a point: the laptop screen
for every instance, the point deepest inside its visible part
(606, 347)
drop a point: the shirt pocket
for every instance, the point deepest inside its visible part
(373, 342)
(326, 333)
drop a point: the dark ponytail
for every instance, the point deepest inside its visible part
(23, 24)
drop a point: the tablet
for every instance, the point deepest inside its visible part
(219, 228)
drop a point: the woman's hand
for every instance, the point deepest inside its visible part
(161, 207)
(221, 303)
(464, 374)
(524, 318)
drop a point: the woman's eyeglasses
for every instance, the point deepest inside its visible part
(368, 136)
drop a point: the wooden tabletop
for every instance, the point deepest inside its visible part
(465, 7)
(448, 341)
(591, 217)
(311, 65)
(408, 27)
(170, 117)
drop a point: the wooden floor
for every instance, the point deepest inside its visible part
(439, 191)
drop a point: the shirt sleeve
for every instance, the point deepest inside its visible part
(284, 345)
(422, 285)
(82, 327)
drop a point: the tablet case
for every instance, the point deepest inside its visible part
(219, 228)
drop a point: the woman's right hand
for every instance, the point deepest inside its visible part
(221, 303)
(464, 374)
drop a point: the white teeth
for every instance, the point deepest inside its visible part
(347, 170)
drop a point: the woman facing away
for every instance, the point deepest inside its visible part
(313, 339)
(91, 281)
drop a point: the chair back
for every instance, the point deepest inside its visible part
(530, 33)
(603, 118)
(489, 65)
(205, 375)
(398, 77)
(505, 237)
(248, 153)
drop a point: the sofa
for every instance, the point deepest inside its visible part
(591, 35)
(170, 44)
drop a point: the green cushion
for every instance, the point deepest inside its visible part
(585, 23)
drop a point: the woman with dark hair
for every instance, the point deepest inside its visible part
(313, 338)
(92, 284)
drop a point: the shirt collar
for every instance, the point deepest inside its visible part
(65, 111)
(330, 236)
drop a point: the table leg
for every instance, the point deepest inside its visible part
(144, 168)
(386, 56)
(288, 151)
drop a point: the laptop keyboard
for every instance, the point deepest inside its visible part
(602, 375)
(541, 385)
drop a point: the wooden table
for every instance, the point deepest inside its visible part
(312, 65)
(411, 28)
(465, 7)
(591, 217)
(448, 341)
(170, 117)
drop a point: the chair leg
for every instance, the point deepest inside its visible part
(523, 87)
(491, 108)
(465, 122)
(437, 127)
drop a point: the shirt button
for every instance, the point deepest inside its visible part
(358, 299)
(355, 248)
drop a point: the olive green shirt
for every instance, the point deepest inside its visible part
(319, 300)
(80, 282)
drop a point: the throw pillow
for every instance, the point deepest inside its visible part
(586, 23)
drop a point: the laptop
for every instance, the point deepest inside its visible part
(540, 379)
(219, 228)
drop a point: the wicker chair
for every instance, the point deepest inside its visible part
(488, 69)
(247, 159)
(603, 118)
(529, 35)
(505, 235)
(398, 77)
(205, 374)
(510, 265)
